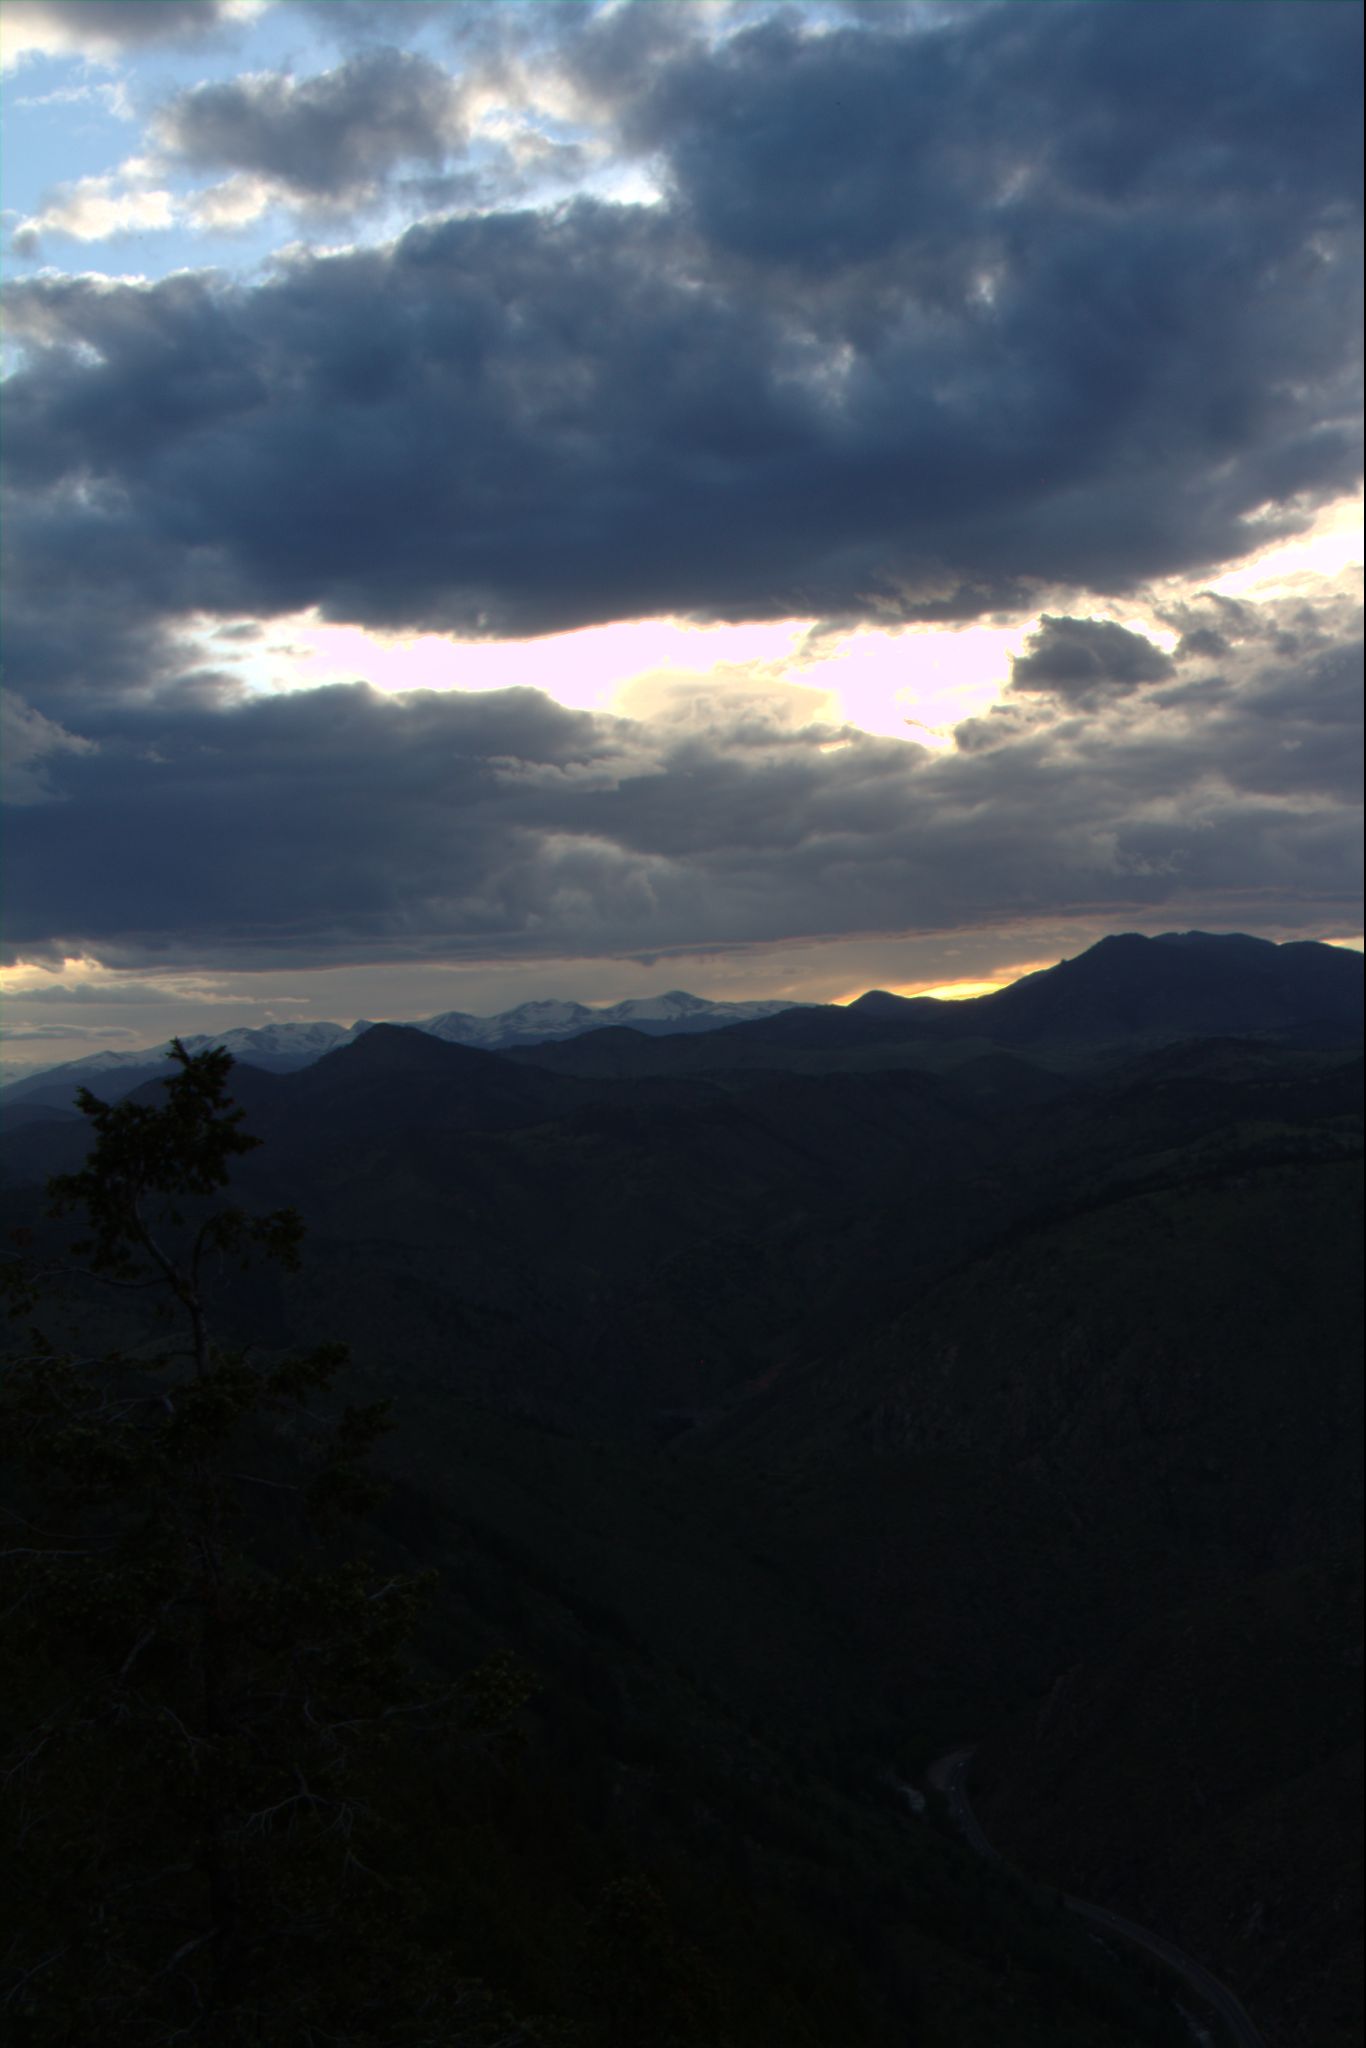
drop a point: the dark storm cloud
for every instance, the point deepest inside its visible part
(1074, 657)
(325, 137)
(1276, 713)
(27, 743)
(339, 824)
(117, 25)
(929, 322)
(1212, 625)
(828, 149)
(1202, 640)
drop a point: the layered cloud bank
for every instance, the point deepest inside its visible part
(340, 823)
(888, 317)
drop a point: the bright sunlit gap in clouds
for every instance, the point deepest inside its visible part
(914, 682)
(1330, 545)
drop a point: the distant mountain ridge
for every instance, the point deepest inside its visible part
(284, 1048)
(1126, 989)
(1125, 995)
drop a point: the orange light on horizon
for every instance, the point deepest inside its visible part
(957, 991)
(942, 991)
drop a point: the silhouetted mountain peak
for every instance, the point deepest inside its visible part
(1177, 985)
(401, 1048)
(1243, 942)
(880, 1002)
(398, 1066)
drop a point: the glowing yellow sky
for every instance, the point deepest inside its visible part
(953, 991)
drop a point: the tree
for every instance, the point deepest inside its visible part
(203, 1666)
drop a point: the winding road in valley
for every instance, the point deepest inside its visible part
(948, 1777)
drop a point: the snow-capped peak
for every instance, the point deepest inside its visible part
(528, 1024)
(283, 1047)
(281, 1041)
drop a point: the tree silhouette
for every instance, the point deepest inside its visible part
(203, 1667)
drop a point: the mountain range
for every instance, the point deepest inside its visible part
(812, 1394)
(283, 1048)
(1125, 990)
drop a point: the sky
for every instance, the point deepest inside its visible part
(513, 500)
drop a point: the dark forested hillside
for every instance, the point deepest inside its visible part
(1207, 1771)
(804, 1400)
